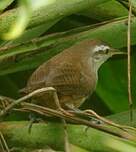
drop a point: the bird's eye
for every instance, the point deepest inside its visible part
(106, 51)
(103, 51)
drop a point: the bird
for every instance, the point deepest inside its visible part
(73, 73)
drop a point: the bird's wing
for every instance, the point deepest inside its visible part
(67, 79)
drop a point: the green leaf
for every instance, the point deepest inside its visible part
(19, 25)
(58, 9)
(45, 47)
(112, 84)
(4, 4)
(106, 11)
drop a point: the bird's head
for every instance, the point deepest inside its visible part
(101, 52)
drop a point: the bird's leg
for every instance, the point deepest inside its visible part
(81, 113)
(32, 120)
(58, 105)
(99, 119)
(66, 141)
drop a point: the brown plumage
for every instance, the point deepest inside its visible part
(73, 73)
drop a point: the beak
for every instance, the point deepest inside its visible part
(116, 51)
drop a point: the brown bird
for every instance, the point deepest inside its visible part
(73, 73)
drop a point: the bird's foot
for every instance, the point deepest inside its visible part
(33, 119)
(58, 105)
(107, 121)
(63, 111)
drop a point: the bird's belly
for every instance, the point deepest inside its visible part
(68, 94)
(47, 100)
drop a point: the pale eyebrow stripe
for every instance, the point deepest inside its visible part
(101, 47)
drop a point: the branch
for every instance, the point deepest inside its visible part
(119, 130)
(41, 49)
(16, 134)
